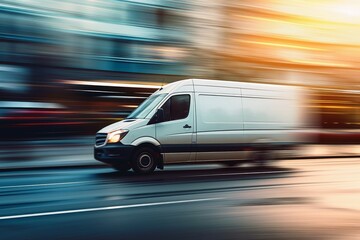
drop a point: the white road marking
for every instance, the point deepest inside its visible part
(104, 208)
(42, 184)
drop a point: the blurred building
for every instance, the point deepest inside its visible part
(68, 52)
(299, 42)
(79, 38)
(103, 57)
(314, 44)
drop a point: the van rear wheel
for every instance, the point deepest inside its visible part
(144, 160)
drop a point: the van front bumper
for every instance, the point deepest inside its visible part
(113, 153)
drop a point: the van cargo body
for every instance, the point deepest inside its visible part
(196, 121)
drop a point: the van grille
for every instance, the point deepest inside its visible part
(100, 139)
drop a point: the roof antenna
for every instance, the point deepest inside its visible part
(162, 84)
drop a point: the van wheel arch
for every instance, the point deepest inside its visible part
(158, 158)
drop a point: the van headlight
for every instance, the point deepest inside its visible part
(116, 136)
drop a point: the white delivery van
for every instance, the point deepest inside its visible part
(198, 121)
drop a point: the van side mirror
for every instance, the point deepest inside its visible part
(158, 117)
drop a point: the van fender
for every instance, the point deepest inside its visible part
(150, 141)
(143, 140)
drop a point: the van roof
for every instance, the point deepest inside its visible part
(235, 84)
(188, 83)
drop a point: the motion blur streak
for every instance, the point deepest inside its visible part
(68, 68)
(91, 62)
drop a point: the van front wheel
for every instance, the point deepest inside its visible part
(144, 160)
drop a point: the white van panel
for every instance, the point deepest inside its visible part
(216, 89)
(219, 84)
(174, 138)
(219, 112)
(262, 113)
(178, 157)
(280, 92)
(185, 88)
(270, 136)
(221, 137)
(139, 135)
(276, 110)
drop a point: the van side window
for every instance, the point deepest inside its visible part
(176, 107)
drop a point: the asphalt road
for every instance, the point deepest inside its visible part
(295, 199)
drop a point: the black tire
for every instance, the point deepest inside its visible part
(144, 160)
(122, 168)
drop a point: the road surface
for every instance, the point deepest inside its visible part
(294, 199)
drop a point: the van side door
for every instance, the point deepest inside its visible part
(220, 131)
(175, 133)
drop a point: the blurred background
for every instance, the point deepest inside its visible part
(71, 67)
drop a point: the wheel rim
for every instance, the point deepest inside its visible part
(145, 161)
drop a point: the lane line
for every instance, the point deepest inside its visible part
(105, 208)
(42, 184)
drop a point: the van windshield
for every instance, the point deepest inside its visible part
(145, 108)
